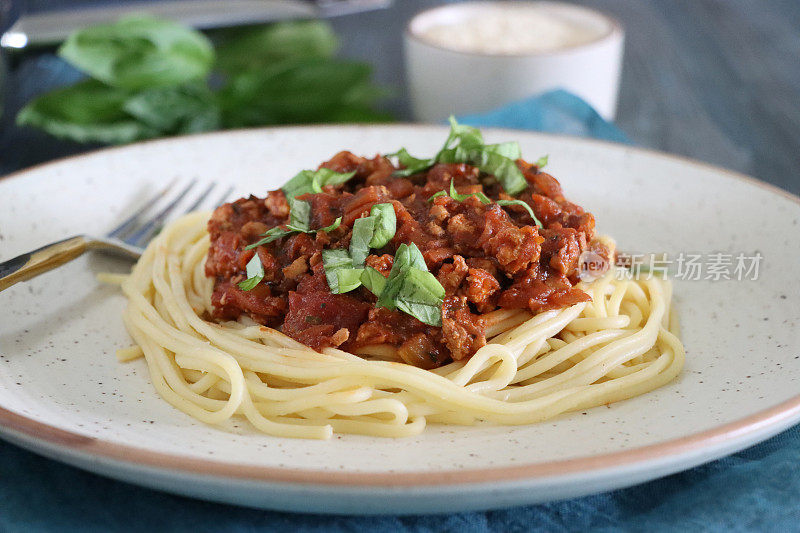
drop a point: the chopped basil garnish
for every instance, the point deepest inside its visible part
(461, 197)
(385, 225)
(509, 149)
(348, 279)
(299, 222)
(373, 280)
(328, 229)
(312, 181)
(343, 268)
(542, 161)
(412, 164)
(363, 228)
(255, 273)
(373, 231)
(299, 215)
(410, 287)
(486, 200)
(339, 271)
(421, 296)
(523, 204)
(407, 256)
(465, 144)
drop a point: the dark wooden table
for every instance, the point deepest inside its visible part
(717, 80)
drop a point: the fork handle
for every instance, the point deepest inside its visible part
(44, 259)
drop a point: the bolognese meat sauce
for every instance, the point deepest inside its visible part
(485, 256)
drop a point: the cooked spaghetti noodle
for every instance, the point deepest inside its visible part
(619, 345)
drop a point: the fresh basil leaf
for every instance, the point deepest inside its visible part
(523, 204)
(461, 197)
(272, 234)
(461, 135)
(421, 296)
(299, 222)
(299, 216)
(412, 164)
(385, 225)
(336, 224)
(363, 229)
(510, 149)
(255, 273)
(373, 280)
(325, 176)
(189, 108)
(300, 184)
(86, 112)
(504, 169)
(465, 144)
(542, 161)
(454, 194)
(407, 256)
(482, 197)
(304, 90)
(492, 159)
(312, 181)
(348, 279)
(258, 47)
(139, 52)
(334, 262)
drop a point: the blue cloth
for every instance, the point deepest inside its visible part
(755, 490)
(553, 112)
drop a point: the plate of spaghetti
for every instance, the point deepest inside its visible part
(401, 318)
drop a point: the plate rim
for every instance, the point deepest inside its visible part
(780, 415)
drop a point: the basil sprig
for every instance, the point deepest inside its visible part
(465, 144)
(339, 271)
(344, 268)
(151, 77)
(255, 273)
(299, 222)
(485, 200)
(306, 181)
(460, 197)
(409, 287)
(522, 204)
(312, 181)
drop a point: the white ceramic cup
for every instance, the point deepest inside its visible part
(444, 80)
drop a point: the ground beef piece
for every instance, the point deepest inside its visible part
(276, 204)
(513, 247)
(381, 263)
(482, 288)
(452, 275)
(462, 331)
(564, 245)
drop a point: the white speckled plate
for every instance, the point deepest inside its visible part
(63, 394)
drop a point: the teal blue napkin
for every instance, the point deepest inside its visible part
(552, 112)
(753, 490)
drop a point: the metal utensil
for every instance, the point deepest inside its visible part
(127, 240)
(49, 27)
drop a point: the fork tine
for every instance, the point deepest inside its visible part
(129, 222)
(142, 235)
(203, 196)
(224, 196)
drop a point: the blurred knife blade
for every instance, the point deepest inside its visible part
(51, 27)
